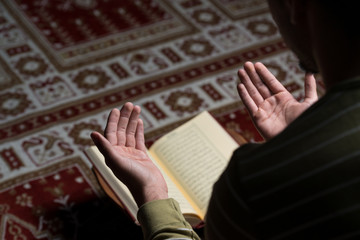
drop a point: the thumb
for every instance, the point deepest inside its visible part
(108, 152)
(310, 88)
(101, 143)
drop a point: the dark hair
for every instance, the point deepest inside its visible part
(345, 14)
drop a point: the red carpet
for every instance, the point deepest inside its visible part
(65, 64)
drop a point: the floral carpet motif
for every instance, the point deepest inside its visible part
(65, 64)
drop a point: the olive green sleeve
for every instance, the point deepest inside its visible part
(162, 219)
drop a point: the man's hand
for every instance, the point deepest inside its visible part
(125, 153)
(270, 105)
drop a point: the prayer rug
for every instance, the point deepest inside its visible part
(65, 64)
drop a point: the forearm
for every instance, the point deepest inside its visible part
(162, 219)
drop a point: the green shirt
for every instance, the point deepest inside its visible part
(163, 219)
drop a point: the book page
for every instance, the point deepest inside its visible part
(195, 154)
(174, 192)
(121, 191)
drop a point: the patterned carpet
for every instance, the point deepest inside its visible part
(65, 64)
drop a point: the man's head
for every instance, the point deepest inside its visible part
(289, 16)
(317, 31)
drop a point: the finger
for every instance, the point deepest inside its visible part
(310, 88)
(140, 139)
(251, 89)
(247, 99)
(111, 126)
(257, 80)
(269, 79)
(125, 114)
(102, 144)
(107, 151)
(131, 127)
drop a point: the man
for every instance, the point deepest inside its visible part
(304, 182)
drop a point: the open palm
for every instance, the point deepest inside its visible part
(125, 153)
(270, 105)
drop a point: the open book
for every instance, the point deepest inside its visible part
(191, 158)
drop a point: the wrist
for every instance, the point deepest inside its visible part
(149, 195)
